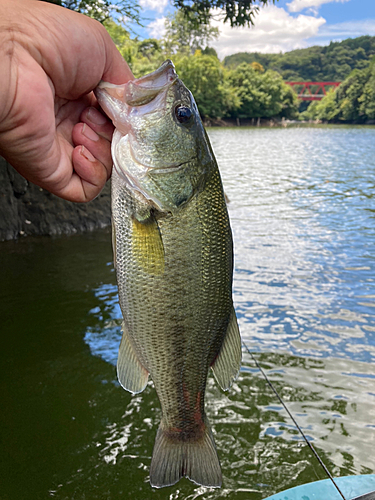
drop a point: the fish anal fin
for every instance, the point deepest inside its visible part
(147, 246)
(131, 374)
(174, 458)
(228, 362)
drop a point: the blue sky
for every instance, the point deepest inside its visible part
(287, 25)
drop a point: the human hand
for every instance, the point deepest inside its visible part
(51, 59)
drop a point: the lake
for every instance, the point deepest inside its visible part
(303, 218)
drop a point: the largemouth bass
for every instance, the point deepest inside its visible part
(174, 262)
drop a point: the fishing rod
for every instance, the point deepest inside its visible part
(315, 453)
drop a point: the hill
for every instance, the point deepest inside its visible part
(333, 62)
(352, 102)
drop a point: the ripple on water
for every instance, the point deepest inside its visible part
(301, 205)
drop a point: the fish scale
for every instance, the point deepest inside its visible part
(174, 265)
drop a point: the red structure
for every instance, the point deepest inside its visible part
(312, 91)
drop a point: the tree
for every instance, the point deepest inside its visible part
(367, 99)
(237, 12)
(352, 101)
(103, 10)
(142, 56)
(185, 34)
(125, 44)
(204, 76)
(262, 95)
(333, 62)
(246, 92)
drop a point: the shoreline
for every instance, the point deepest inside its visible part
(28, 210)
(273, 122)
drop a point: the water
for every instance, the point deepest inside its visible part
(302, 210)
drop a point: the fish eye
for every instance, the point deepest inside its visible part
(183, 113)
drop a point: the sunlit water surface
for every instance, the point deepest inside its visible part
(302, 211)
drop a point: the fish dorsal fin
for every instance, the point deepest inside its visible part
(131, 374)
(147, 246)
(228, 362)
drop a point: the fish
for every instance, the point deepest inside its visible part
(173, 255)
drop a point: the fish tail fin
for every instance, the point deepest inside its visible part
(176, 456)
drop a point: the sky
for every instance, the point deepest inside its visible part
(287, 25)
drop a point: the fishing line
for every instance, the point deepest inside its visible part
(315, 453)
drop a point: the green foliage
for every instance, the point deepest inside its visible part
(142, 56)
(245, 92)
(310, 112)
(148, 58)
(262, 94)
(257, 67)
(199, 12)
(236, 12)
(367, 99)
(331, 63)
(353, 101)
(103, 10)
(186, 34)
(327, 110)
(127, 47)
(204, 76)
(120, 36)
(210, 51)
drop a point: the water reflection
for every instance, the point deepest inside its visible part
(303, 230)
(104, 336)
(302, 215)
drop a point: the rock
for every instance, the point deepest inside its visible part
(27, 209)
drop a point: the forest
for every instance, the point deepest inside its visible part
(247, 91)
(351, 61)
(332, 63)
(248, 86)
(244, 85)
(352, 102)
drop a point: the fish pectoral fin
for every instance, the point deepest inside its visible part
(131, 374)
(228, 362)
(175, 457)
(147, 246)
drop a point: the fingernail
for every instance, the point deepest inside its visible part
(86, 154)
(96, 117)
(89, 133)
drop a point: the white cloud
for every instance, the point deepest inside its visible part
(298, 5)
(275, 31)
(156, 28)
(348, 29)
(157, 5)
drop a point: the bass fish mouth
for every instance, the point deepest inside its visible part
(142, 90)
(136, 97)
